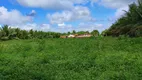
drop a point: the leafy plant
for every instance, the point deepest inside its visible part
(131, 20)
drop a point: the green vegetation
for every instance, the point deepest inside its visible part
(71, 59)
(35, 55)
(130, 24)
(95, 33)
(7, 33)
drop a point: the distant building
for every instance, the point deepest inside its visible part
(77, 36)
(71, 36)
(63, 36)
(84, 36)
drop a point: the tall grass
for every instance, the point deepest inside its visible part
(71, 59)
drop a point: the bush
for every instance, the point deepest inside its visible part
(4, 38)
(71, 59)
(136, 32)
(130, 23)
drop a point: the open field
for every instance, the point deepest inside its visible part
(71, 59)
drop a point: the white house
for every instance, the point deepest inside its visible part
(71, 36)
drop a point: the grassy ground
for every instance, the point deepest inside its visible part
(71, 59)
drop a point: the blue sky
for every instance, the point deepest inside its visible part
(62, 15)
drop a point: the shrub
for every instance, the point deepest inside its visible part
(4, 38)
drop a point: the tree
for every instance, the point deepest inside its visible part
(104, 33)
(69, 33)
(74, 32)
(1, 33)
(81, 32)
(87, 32)
(129, 23)
(95, 33)
(24, 34)
(12, 33)
(5, 29)
(4, 33)
(18, 32)
(7, 33)
(31, 33)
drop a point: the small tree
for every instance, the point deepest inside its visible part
(74, 32)
(24, 34)
(69, 33)
(104, 33)
(31, 33)
(18, 32)
(1, 34)
(81, 32)
(95, 33)
(5, 29)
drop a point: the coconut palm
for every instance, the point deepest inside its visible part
(130, 23)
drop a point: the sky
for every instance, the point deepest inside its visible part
(62, 15)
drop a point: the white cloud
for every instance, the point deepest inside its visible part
(59, 18)
(34, 26)
(32, 13)
(79, 1)
(82, 13)
(119, 5)
(12, 17)
(120, 12)
(52, 4)
(45, 27)
(90, 27)
(81, 27)
(60, 27)
(47, 4)
(77, 13)
(114, 3)
(63, 25)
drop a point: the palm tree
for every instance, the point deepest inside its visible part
(128, 24)
(18, 32)
(139, 11)
(5, 29)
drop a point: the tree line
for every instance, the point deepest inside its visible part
(8, 33)
(130, 24)
(93, 33)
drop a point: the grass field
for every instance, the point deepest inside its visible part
(71, 59)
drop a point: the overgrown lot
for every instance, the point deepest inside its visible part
(71, 59)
